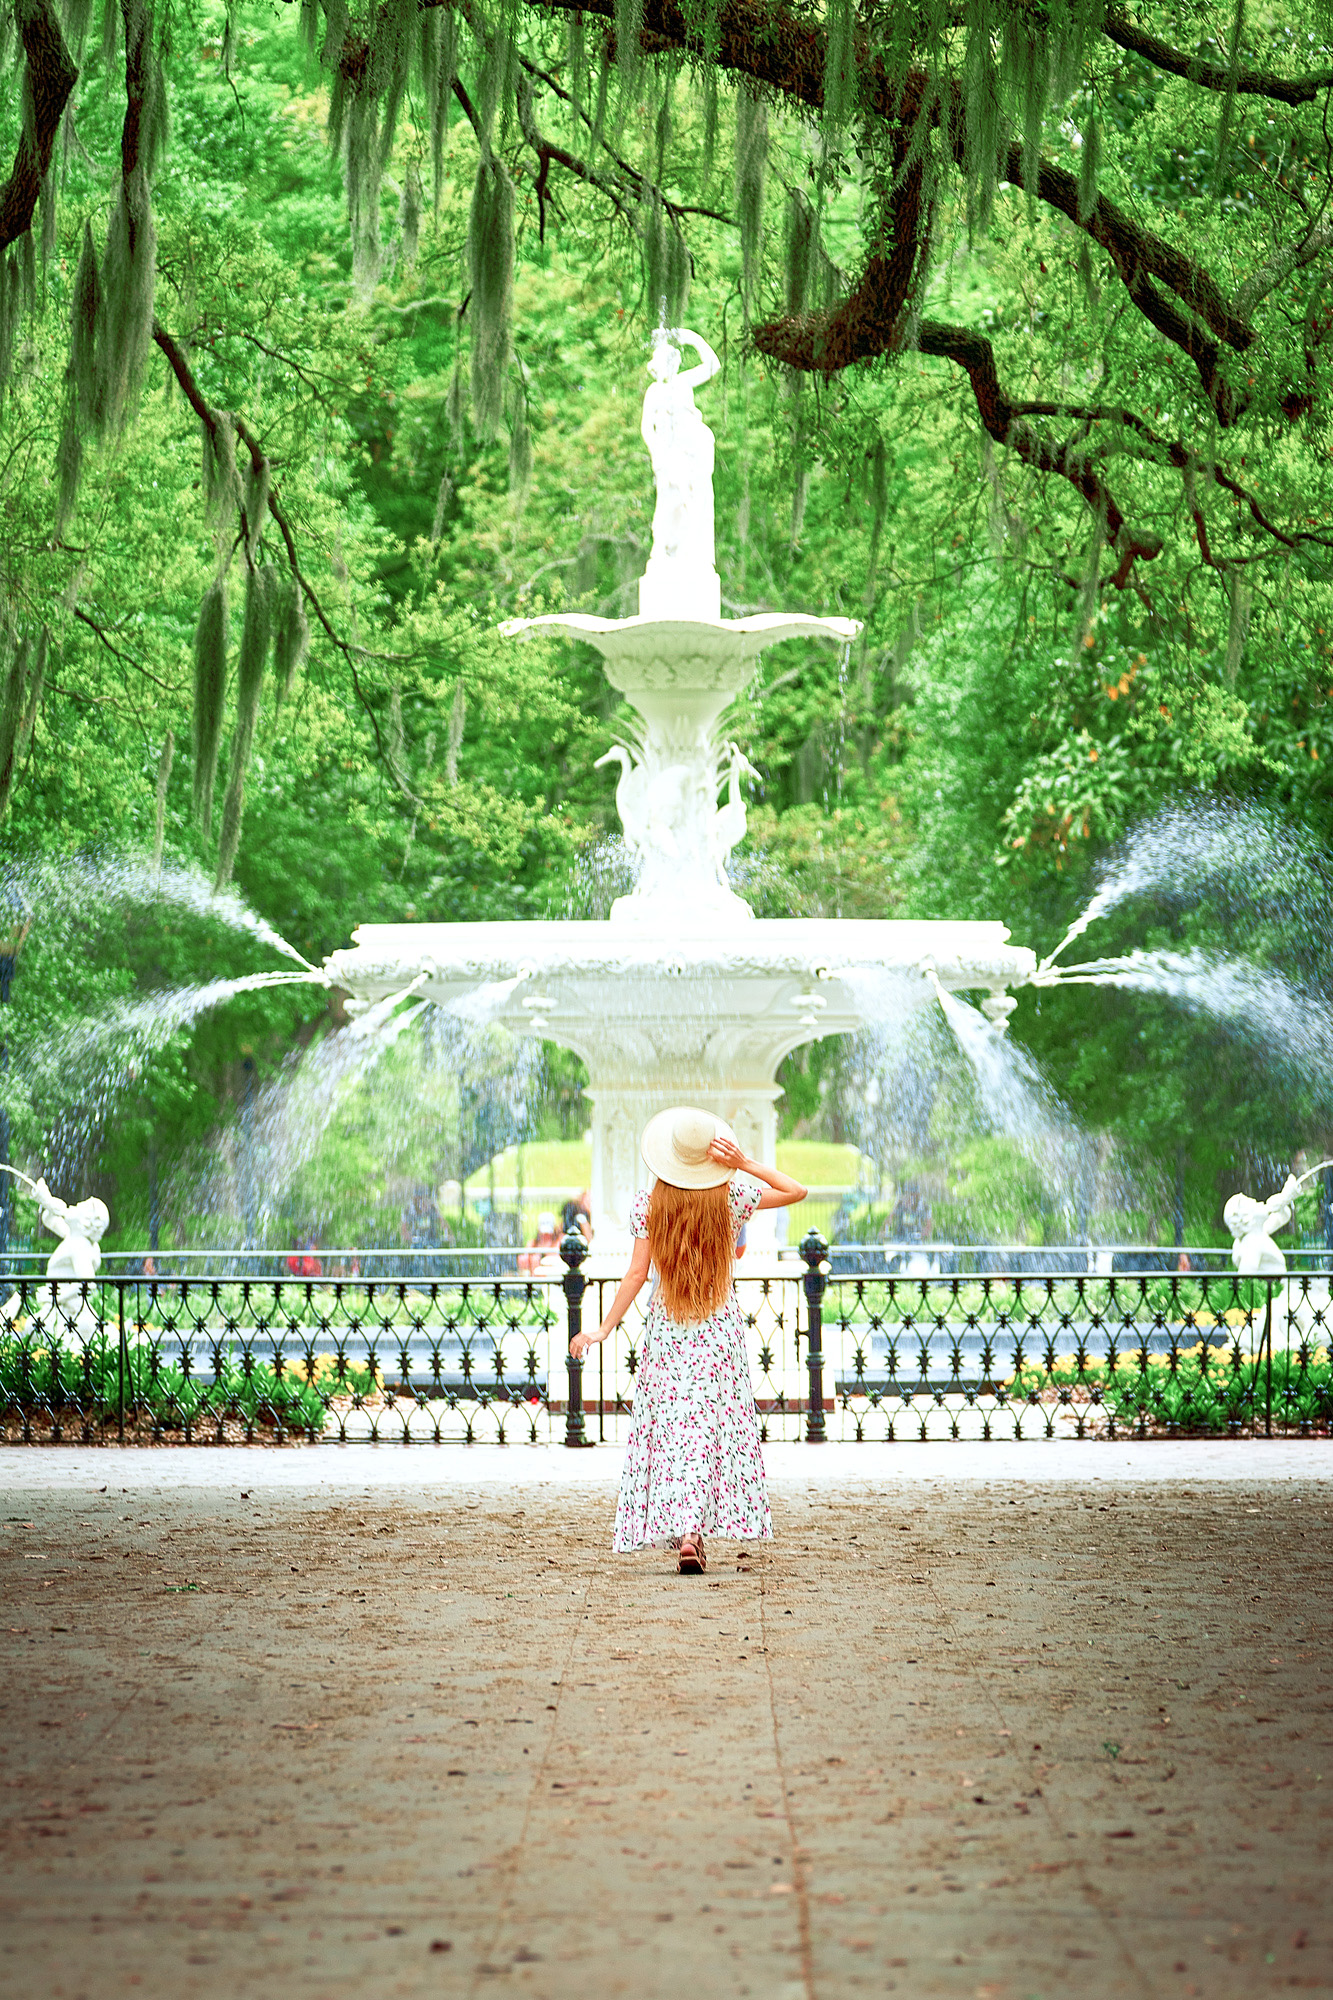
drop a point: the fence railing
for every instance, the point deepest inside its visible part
(834, 1352)
(423, 1264)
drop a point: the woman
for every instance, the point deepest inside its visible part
(692, 1463)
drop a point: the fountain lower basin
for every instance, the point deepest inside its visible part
(702, 1017)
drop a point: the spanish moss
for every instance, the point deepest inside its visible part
(291, 635)
(490, 251)
(751, 170)
(210, 692)
(253, 657)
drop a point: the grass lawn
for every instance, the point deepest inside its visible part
(558, 1163)
(820, 1164)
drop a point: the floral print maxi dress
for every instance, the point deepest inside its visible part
(693, 1462)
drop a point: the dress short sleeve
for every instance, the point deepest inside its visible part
(638, 1213)
(744, 1197)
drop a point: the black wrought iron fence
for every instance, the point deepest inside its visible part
(834, 1353)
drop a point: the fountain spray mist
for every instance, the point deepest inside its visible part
(1243, 859)
(67, 888)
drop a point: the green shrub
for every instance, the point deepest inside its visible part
(89, 1380)
(1197, 1388)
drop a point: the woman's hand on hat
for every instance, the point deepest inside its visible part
(727, 1153)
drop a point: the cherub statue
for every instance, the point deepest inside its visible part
(62, 1303)
(1253, 1225)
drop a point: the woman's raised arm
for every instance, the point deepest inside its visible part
(783, 1191)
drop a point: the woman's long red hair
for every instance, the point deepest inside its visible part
(692, 1241)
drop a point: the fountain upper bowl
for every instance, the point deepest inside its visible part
(964, 955)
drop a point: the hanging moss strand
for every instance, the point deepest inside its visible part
(210, 689)
(751, 171)
(251, 662)
(490, 252)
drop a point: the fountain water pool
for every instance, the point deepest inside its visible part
(683, 994)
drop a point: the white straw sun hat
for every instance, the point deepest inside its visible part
(675, 1147)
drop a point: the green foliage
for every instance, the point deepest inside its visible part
(974, 757)
(93, 1383)
(1198, 1389)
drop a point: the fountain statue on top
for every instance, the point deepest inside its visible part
(680, 664)
(680, 580)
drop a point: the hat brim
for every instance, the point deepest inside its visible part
(659, 1155)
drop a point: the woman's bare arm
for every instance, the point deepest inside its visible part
(783, 1191)
(626, 1292)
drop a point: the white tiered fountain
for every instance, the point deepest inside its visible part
(683, 995)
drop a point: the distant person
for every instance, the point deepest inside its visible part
(545, 1245)
(692, 1462)
(577, 1214)
(303, 1263)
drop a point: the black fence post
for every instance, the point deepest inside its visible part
(1268, 1364)
(122, 1360)
(573, 1250)
(814, 1249)
(9, 958)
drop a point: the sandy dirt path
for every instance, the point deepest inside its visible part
(302, 1724)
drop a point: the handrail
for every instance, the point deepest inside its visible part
(1066, 1257)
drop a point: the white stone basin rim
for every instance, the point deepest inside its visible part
(691, 641)
(679, 669)
(965, 955)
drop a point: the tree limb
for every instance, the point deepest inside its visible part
(48, 78)
(1007, 423)
(631, 172)
(126, 659)
(775, 46)
(547, 150)
(1214, 76)
(1190, 463)
(1138, 254)
(1280, 266)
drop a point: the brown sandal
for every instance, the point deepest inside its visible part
(693, 1561)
